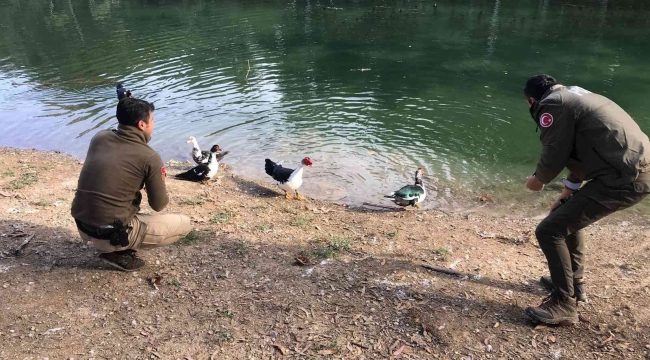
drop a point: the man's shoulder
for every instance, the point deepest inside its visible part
(103, 134)
(145, 152)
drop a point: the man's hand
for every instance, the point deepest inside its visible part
(533, 184)
(565, 193)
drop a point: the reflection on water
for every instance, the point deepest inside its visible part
(369, 90)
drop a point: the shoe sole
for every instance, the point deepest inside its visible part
(118, 266)
(561, 322)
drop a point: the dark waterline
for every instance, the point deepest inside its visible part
(370, 90)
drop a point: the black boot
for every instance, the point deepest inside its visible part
(578, 288)
(555, 310)
(126, 260)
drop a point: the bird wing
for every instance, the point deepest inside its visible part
(196, 173)
(409, 192)
(277, 171)
(222, 154)
(201, 157)
(282, 174)
(269, 166)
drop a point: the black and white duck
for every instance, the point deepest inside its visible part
(203, 172)
(202, 157)
(288, 180)
(122, 92)
(411, 195)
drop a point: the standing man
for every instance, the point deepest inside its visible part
(118, 165)
(599, 143)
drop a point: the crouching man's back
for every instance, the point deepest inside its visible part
(119, 164)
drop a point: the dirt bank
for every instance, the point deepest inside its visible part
(233, 290)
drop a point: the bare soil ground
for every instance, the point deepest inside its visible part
(263, 277)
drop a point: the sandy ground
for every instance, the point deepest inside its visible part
(234, 289)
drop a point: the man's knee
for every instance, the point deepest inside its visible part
(547, 232)
(185, 225)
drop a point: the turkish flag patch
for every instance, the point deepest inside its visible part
(546, 120)
(163, 173)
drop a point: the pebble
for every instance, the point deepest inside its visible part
(30, 283)
(488, 348)
(134, 323)
(5, 285)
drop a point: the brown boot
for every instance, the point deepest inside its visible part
(578, 288)
(555, 311)
(126, 260)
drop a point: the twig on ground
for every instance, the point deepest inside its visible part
(19, 250)
(441, 269)
(381, 206)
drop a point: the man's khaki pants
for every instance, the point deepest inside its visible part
(560, 235)
(148, 231)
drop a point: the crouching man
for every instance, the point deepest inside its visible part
(601, 145)
(119, 164)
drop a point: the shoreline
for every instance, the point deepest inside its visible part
(502, 202)
(265, 277)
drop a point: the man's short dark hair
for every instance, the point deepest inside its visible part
(130, 111)
(538, 85)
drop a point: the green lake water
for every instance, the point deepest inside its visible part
(370, 90)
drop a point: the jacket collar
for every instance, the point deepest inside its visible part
(132, 133)
(553, 89)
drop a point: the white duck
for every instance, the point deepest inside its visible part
(288, 180)
(203, 172)
(202, 157)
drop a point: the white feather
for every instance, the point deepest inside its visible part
(295, 180)
(213, 165)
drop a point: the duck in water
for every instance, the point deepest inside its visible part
(410, 195)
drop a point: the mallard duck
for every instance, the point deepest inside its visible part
(202, 157)
(288, 180)
(411, 195)
(203, 172)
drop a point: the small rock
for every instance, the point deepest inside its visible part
(488, 348)
(5, 285)
(30, 283)
(134, 323)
